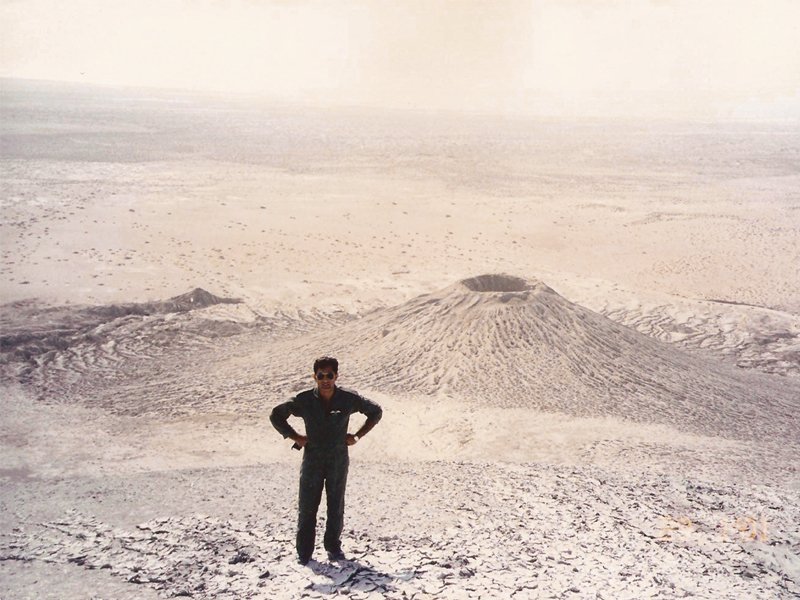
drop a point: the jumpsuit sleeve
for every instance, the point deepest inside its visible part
(280, 415)
(371, 409)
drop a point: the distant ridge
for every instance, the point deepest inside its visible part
(503, 341)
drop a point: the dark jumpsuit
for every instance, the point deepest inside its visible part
(325, 458)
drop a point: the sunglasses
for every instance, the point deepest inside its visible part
(326, 375)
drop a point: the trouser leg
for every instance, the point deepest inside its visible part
(335, 483)
(311, 482)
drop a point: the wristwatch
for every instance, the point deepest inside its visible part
(358, 437)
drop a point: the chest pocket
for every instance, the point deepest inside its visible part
(337, 416)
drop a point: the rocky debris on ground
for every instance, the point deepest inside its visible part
(511, 531)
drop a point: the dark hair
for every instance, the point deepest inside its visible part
(326, 362)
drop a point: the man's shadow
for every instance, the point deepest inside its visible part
(350, 574)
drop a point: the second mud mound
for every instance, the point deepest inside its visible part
(29, 331)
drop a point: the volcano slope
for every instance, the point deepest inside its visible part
(502, 341)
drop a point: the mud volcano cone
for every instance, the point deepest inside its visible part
(504, 341)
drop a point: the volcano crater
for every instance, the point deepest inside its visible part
(496, 283)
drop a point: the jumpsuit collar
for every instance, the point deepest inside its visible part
(335, 389)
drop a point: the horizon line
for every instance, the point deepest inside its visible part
(512, 115)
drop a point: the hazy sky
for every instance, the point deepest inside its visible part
(673, 58)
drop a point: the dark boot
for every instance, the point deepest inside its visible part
(336, 555)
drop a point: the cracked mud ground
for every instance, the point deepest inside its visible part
(426, 530)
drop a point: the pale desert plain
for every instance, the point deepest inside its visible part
(585, 336)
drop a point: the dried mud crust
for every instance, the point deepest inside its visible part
(485, 530)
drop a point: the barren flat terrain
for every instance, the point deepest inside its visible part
(585, 337)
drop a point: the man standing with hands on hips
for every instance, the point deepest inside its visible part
(326, 411)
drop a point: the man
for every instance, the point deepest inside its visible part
(326, 411)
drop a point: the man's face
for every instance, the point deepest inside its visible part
(325, 378)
